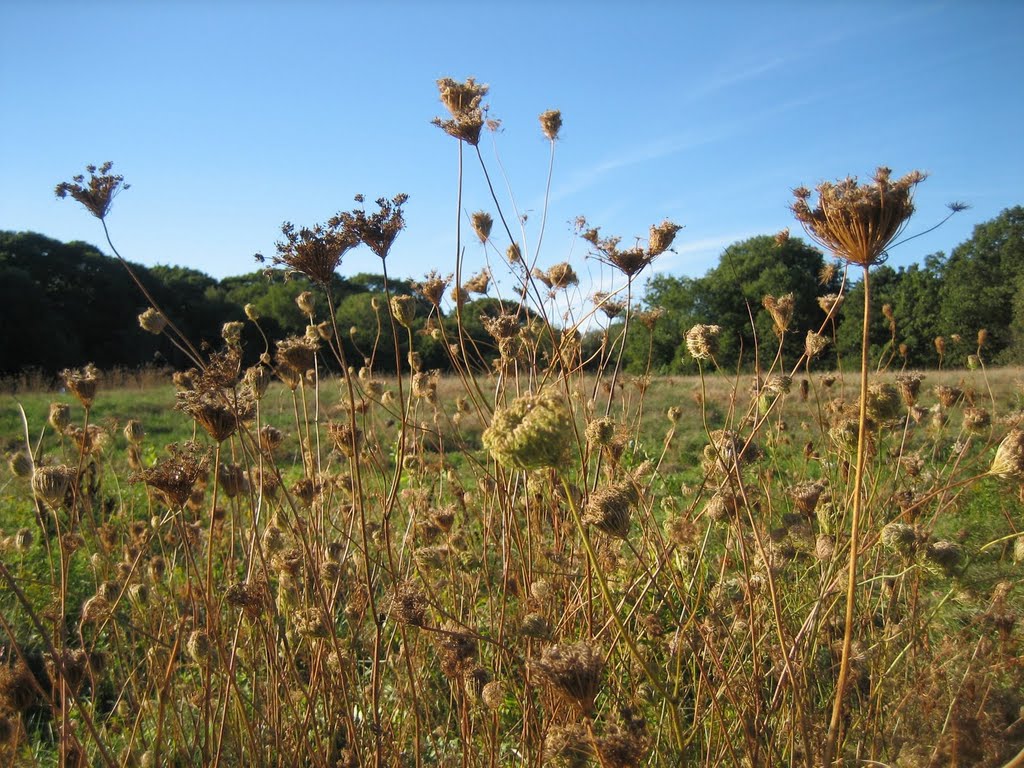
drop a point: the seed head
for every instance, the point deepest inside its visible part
(50, 484)
(20, 464)
(573, 671)
(702, 341)
(551, 123)
(781, 310)
(152, 321)
(561, 276)
(83, 383)
(175, 477)
(1009, 458)
(314, 252)
(533, 432)
(377, 231)
(858, 222)
(403, 309)
(98, 194)
(610, 508)
(297, 354)
(433, 287)
(60, 416)
(909, 385)
(482, 223)
(814, 344)
(463, 102)
(134, 432)
(661, 237)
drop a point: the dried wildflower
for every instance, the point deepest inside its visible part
(857, 222)
(561, 276)
(98, 195)
(976, 419)
(883, 402)
(270, 438)
(982, 338)
(610, 508)
(513, 254)
(940, 347)
(175, 477)
(152, 321)
(18, 688)
(403, 309)
(781, 237)
(20, 464)
(601, 431)
(781, 310)
(200, 647)
(814, 344)
(90, 440)
(899, 537)
(909, 385)
(625, 744)
(408, 605)
(702, 341)
(377, 230)
(51, 484)
(568, 746)
(661, 237)
(945, 554)
(830, 303)
(551, 123)
(134, 432)
(535, 626)
(463, 102)
(948, 396)
(232, 479)
(573, 671)
(1009, 458)
(82, 382)
(457, 648)
(314, 252)
(478, 283)
(60, 416)
(432, 288)
(806, 495)
(482, 223)
(297, 354)
(345, 437)
(231, 332)
(533, 432)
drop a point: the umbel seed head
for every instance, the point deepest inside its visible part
(152, 321)
(857, 222)
(551, 123)
(533, 432)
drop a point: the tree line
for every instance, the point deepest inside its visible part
(65, 304)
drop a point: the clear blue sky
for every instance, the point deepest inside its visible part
(229, 118)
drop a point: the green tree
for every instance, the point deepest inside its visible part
(981, 281)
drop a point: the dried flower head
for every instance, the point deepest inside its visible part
(533, 432)
(20, 464)
(403, 309)
(175, 477)
(82, 382)
(568, 746)
(702, 341)
(781, 310)
(376, 230)
(296, 354)
(314, 252)
(463, 102)
(98, 194)
(60, 416)
(909, 385)
(478, 283)
(814, 344)
(433, 287)
(457, 648)
(858, 222)
(551, 123)
(661, 237)
(573, 671)
(1009, 458)
(51, 484)
(610, 508)
(561, 276)
(152, 321)
(482, 223)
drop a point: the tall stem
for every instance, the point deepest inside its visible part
(851, 584)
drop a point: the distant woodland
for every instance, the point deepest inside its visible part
(66, 304)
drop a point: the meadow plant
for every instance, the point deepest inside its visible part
(535, 560)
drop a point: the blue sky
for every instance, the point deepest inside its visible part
(229, 118)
